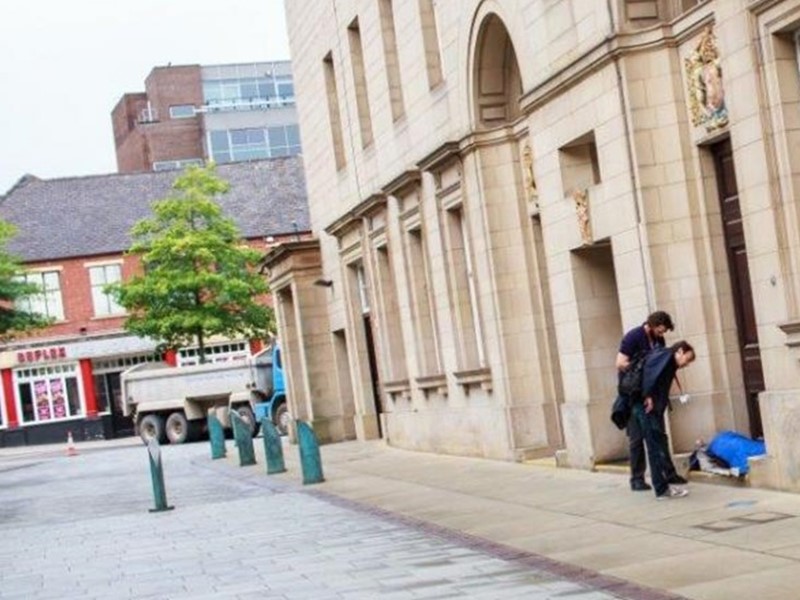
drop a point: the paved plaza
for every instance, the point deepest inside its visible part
(79, 527)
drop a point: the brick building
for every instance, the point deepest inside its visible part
(73, 233)
(501, 188)
(188, 114)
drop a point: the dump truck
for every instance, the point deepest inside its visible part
(171, 404)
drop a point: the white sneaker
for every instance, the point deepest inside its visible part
(673, 493)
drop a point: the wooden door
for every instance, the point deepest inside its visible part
(740, 282)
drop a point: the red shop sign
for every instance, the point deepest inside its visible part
(42, 354)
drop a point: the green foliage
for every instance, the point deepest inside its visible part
(199, 278)
(14, 288)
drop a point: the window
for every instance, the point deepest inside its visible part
(48, 301)
(214, 353)
(333, 111)
(464, 295)
(390, 326)
(99, 277)
(48, 393)
(360, 81)
(430, 42)
(181, 111)
(235, 145)
(249, 92)
(391, 60)
(418, 272)
(172, 165)
(106, 373)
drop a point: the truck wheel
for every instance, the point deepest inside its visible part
(281, 418)
(249, 418)
(177, 428)
(151, 427)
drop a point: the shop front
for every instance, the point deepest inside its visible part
(52, 390)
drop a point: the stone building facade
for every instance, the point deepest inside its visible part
(500, 188)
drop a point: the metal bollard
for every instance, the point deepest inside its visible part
(157, 476)
(310, 459)
(244, 442)
(273, 449)
(216, 435)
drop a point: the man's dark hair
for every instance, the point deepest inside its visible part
(660, 317)
(682, 345)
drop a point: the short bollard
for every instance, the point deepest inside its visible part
(157, 475)
(243, 439)
(310, 459)
(273, 449)
(216, 435)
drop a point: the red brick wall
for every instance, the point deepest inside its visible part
(76, 295)
(137, 144)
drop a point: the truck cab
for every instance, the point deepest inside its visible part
(270, 394)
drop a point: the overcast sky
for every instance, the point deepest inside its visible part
(64, 64)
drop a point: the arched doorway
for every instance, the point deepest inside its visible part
(498, 84)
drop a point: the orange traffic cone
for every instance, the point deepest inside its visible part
(71, 450)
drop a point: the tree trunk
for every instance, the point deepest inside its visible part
(201, 347)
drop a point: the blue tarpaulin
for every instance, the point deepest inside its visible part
(734, 449)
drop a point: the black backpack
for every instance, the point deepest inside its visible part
(631, 382)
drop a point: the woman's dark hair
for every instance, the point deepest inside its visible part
(682, 345)
(660, 317)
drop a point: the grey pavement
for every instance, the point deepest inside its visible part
(80, 527)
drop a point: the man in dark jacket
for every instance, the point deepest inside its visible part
(637, 342)
(659, 373)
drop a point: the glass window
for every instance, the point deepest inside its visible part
(48, 393)
(286, 90)
(99, 277)
(220, 145)
(219, 140)
(212, 92)
(181, 111)
(255, 136)
(171, 165)
(249, 89)
(277, 137)
(293, 135)
(48, 301)
(102, 393)
(238, 137)
(214, 353)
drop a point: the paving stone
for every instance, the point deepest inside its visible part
(232, 534)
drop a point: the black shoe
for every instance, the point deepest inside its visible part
(677, 480)
(640, 486)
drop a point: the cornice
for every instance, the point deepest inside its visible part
(758, 7)
(342, 224)
(283, 251)
(372, 204)
(442, 155)
(406, 179)
(614, 47)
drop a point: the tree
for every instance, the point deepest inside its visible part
(199, 278)
(13, 289)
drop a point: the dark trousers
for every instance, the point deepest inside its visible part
(637, 451)
(636, 445)
(651, 426)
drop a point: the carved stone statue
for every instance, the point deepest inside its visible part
(527, 169)
(581, 199)
(704, 81)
